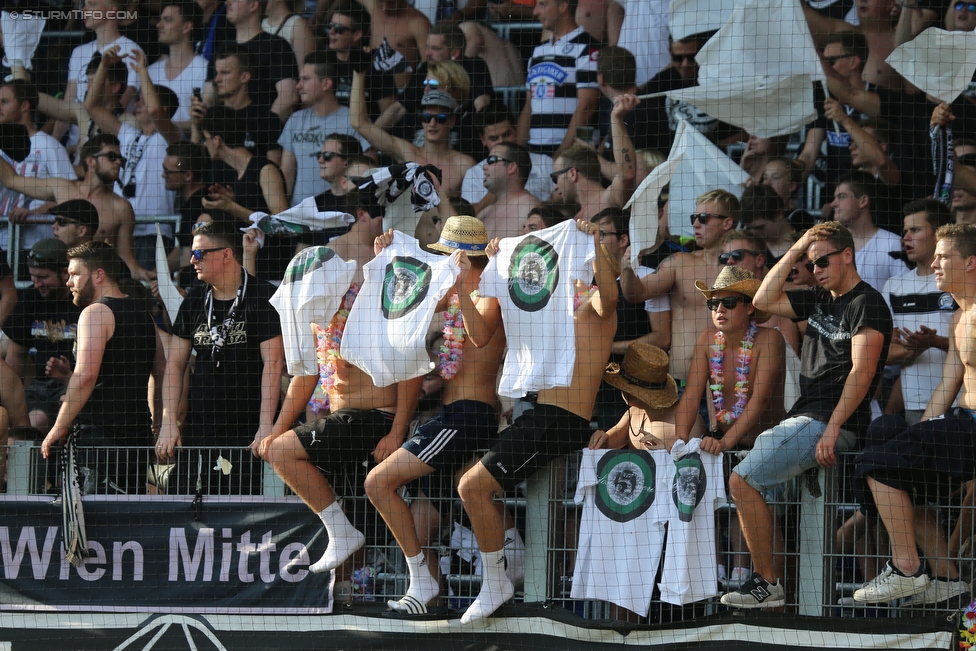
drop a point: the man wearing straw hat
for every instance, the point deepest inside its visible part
(465, 423)
(846, 343)
(557, 425)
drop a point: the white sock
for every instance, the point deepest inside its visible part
(344, 539)
(423, 587)
(496, 588)
(515, 557)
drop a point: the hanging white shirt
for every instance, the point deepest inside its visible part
(311, 292)
(534, 279)
(386, 332)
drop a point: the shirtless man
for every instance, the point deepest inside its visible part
(438, 118)
(403, 27)
(506, 171)
(879, 30)
(937, 452)
(716, 212)
(465, 423)
(504, 61)
(363, 418)
(102, 161)
(576, 172)
(559, 424)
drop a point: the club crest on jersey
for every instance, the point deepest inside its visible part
(533, 274)
(625, 484)
(688, 486)
(405, 286)
(306, 262)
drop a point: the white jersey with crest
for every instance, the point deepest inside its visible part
(387, 328)
(534, 279)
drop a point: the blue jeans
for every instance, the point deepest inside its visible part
(787, 450)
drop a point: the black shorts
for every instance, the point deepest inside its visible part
(929, 460)
(449, 439)
(45, 395)
(343, 437)
(535, 439)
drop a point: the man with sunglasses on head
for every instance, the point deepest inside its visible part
(505, 171)
(844, 349)
(230, 323)
(716, 213)
(307, 129)
(44, 321)
(102, 162)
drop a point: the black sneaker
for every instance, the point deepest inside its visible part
(757, 592)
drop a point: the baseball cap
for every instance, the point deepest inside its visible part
(78, 210)
(50, 253)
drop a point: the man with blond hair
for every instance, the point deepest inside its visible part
(716, 213)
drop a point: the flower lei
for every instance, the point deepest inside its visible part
(327, 343)
(450, 352)
(742, 363)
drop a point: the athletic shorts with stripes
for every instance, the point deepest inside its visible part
(536, 438)
(449, 439)
(347, 436)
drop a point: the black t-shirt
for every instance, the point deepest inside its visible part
(44, 328)
(225, 400)
(118, 405)
(275, 60)
(379, 85)
(826, 361)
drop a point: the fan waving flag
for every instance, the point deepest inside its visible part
(938, 62)
(757, 72)
(643, 208)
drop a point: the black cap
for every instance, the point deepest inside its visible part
(78, 210)
(49, 253)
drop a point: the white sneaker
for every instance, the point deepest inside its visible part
(940, 591)
(892, 584)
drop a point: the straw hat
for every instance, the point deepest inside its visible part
(462, 232)
(735, 279)
(644, 375)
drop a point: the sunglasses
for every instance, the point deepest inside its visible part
(729, 302)
(111, 156)
(703, 217)
(61, 221)
(338, 28)
(823, 261)
(834, 59)
(736, 256)
(494, 158)
(555, 175)
(196, 255)
(431, 83)
(440, 117)
(968, 6)
(678, 58)
(328, 155)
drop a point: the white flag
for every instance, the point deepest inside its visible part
(643, 208)
(938, 62)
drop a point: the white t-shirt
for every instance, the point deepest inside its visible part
(386, 331)
(690, 567)
(916, 301)
(534, 279)
(144, 166)
(311, 291)
(47, 159)
(874, 265)
(625, 500)
(192, 76)
(539, 183)
(303, 136)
